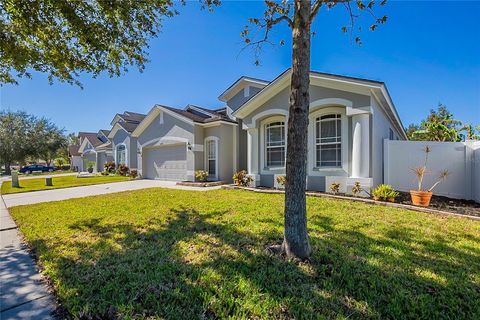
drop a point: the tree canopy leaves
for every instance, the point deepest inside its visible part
(25, 136)
(65, 38)
(440, 125)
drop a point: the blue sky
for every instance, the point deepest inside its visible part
(428, 52)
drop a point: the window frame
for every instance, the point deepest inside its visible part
(272, 123)
(338, 139)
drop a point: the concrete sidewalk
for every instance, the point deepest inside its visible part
(17, 199)
(22, 293)
(22, 177)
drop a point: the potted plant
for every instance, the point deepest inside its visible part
(422, 197)
(90, 165)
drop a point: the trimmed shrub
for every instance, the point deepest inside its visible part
(385, 192)
(109, 167)
(201, 175)
(123, 170)
(241, 178)
(281, 180)
(133, 174)
(357, 188)
(335, 187)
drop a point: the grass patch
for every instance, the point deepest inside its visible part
(186, 255)
(28, 185)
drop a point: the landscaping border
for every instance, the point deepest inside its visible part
(201, 184)
(358, 199)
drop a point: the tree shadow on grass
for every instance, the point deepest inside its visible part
(196, 266)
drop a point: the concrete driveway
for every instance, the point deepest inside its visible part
(17, 199)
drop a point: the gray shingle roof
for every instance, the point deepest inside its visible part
(195, 118)
(92, 137)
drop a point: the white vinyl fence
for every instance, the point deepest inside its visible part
(461, 159)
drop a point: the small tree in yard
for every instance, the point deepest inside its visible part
(299, 16)
(16, 133)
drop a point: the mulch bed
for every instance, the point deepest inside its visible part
(467, 207)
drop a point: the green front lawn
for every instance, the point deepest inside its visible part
(28, 185)
(162, 253)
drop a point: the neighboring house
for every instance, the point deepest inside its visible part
(174, 143)
(95, 150)
(124, 146)
(76, 161)
(348, 121)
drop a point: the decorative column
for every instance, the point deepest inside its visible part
(252, 155)
(361, 145)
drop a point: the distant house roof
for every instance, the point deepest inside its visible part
(215, 115)
(240, 84)
(73, 150)
(92, 137)
(129, 126)
(105, 132)
(190, 114)
(129, 116)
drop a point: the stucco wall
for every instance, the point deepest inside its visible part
(76, 163)
(380, 130)
(237, 100)
(459, 158)
(171, 127)
(316, 179)
(226, 146)
(281, 100)
(169, 130)
(241, 147)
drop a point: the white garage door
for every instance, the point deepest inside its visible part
(165, 163)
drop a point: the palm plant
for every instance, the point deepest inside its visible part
(421, 171)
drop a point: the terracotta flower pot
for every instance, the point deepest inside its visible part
(391, 199)
(376, 198)
(421, 198)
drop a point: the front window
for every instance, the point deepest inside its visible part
(121, 154)
(212, 157)
(275, 144)
(328, 141)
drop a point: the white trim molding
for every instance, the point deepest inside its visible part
(162, 141)
(265, 114)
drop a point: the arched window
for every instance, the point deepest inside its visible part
(121, 154)
(328, 140)
(275, 144)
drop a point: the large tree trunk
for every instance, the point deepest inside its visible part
(296, 242)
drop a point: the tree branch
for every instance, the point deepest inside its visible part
(280, 19)
(316, 6)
